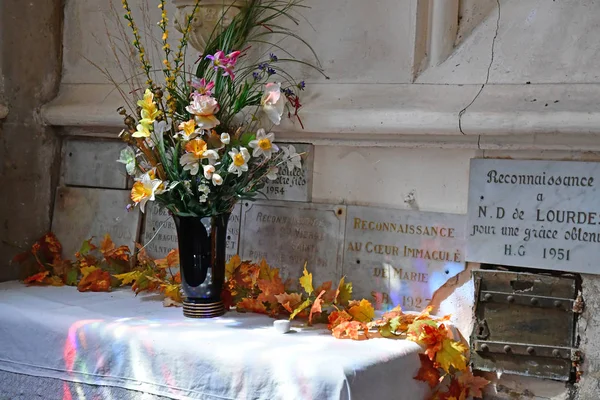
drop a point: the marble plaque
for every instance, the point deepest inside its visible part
(93, 163)
(289, 234)
(400, 257)
(541, 214)
(293, 184)
(160, 235)
(80, 213)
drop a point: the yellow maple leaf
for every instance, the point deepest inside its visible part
(55, 281)
(452, 354)
(128, 277)
(232, 265)
(172, 291)
(362, 311)
(343, 294)
(306, 281)
(266, 272)
(85, 271)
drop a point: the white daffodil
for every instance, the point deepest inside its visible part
(273, 102)
(217, 180)
(292, 159)
(187, 130)
(272, 175)
(145, 189)
(197, 151)
(239, 160)
(225, 138)
(263, 145)
(127, 157)
(209, 170)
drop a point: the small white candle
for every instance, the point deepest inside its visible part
(282, 325)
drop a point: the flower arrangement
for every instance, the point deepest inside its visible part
(199, 142)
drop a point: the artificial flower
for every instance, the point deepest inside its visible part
(263, 145)
(157, 135)
(217, 179)
(143, 129)
(145, 189)
(127, 157)
(272, 174)
(224, 62)
(196, 151)
(225, 138)
(239, 160)
(187, 130)
(204, 190)
(293, 159)
(209, 170)
(149, 109)
(204, 109)
(273, 102)
(202, 87)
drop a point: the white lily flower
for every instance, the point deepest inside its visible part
(209, 170)
(272, 175)
(239, 160)
(273, 102)
(263, 145)
(225, 138)
(217, 180)
(211, 155)
(293, 159)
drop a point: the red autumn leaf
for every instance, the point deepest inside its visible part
(251, 305)
(455, 391)
(354, 330)
(316, 307)
(474, 384)
(227, 298)
(53, 244)
(95, 281)
(337, 317)
(428, 372)
(330, 294)
(177, 277)
(432, 337)
(110, 251)
(37, 278)
(289, 301)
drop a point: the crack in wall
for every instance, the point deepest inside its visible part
(487, 78)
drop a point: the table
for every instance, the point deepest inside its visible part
(119, 342)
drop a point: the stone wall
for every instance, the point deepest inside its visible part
(31, 48)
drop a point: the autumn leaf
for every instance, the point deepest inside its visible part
(53, 244)
(170, 261)
(306, 281)
(128, 277)
(269, 288)
(455, 391)
(168, 302)
(337, 317)
(172, 292)
(316, 306)
(354, 330)
(474, 384)
(300, 308)
(431, 336)
(85, 271)
(248, 274)
(428, 372)
(60, 266)
(142, 256)
(289, 301)
(251, 305)
(95, 281)
(54, 281)
(330, 294)
(451, 354)
(343, 294)
(37, 278)
(266, 272)
(111, 252)
(86, 248)
(71, 276)
(361, 311)
(177, 277)
(232, 265)
(227, 298)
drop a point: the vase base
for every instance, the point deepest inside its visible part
(208, 310)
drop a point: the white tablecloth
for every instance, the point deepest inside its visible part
(118, 340)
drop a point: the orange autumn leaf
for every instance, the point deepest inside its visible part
(474, 384)
(54, 281)
(428, 372)
(170, 261)
(330, 294)
(53, 244)
(95, 281)
(172, 292)
(231, 265)
(289, 301)
(361, 311)
(177, 277)
(248, 274)
(266, 272)
(251, 305)
(270, 288)
(455, 391)
(337, 317)
(316, 306)
(37, 278)
(354, 330)
(432, 337)
(142, 256)
(110, 251)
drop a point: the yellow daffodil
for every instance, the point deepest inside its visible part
(197, 150)
(143, 129)
(188, 130)
(239, 159)
(263, 145)
(149, 109)
(145, 189)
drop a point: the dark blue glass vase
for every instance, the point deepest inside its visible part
(202, 244)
